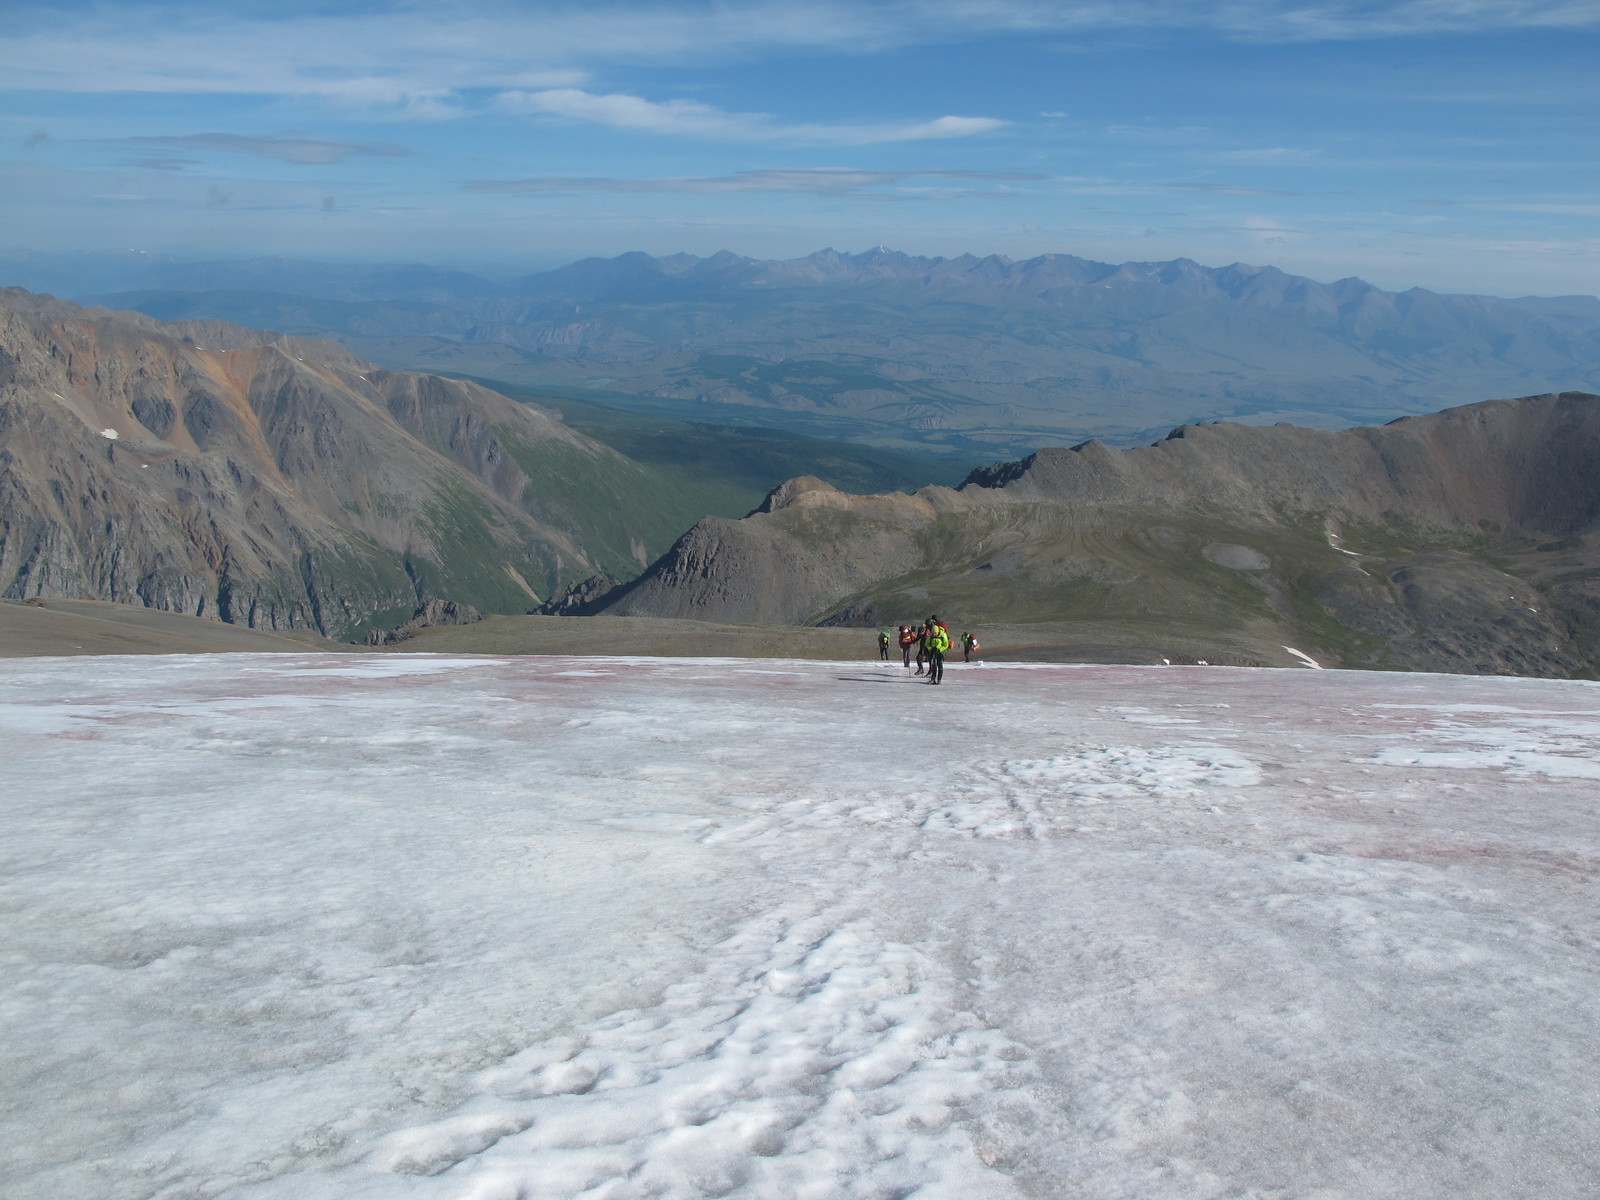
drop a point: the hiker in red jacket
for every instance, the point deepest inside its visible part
(908, 641)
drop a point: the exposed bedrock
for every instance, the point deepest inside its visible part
(279, 482)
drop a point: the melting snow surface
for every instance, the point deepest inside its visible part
(476, 928)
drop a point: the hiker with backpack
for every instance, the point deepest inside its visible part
(934, 643)
(908, 640)
(968, 645)
(883, 645)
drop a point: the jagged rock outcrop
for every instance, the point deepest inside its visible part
(279, 482)
(1466, 540)
(430, 612)
(581, 598)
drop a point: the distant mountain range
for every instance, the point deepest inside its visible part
(1465, 541)
(979, 356)
(284, 483)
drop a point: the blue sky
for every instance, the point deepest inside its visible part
(1451, 144)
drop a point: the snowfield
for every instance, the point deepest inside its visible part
(374, 927)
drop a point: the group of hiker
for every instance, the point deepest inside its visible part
(929, 642)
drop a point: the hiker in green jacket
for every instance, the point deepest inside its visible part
(934, 643)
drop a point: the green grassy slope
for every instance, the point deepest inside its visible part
(726, 471)
(623, 503)
(1393, 598)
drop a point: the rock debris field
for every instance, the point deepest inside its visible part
(489, 928)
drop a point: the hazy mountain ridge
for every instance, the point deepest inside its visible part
(962, 353)
(1467, 540)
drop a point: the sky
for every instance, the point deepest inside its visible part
(1449, 144)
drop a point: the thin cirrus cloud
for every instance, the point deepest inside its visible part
(1270, 156)
(810, 180)
(1231, 189)
(692, 118)
(156, 162)
(422, 58)
(395, 53)
(310, 152)
(1267, 20)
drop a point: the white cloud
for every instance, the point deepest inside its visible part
(633, 112)
(815, 180)
(420, 59)
(1269, 156)
(305, 151)
(692, 118)
(1265, 20)
(414, 64)
(943, 127)
(1231, 189)
(1564, 210)
(1268, 231)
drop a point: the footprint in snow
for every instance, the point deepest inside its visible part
(1037, 798)
(803, 1056)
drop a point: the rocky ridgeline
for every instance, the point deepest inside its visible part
(1468, 540)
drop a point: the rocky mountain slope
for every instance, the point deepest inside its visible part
(283, 483)
(981, 355)
(1467, 540)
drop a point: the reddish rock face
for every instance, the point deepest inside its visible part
(265, 480)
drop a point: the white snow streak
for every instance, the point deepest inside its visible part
(1304, 657)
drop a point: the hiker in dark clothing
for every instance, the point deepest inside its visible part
(883, 644)
(968, 645)
(934, 643)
